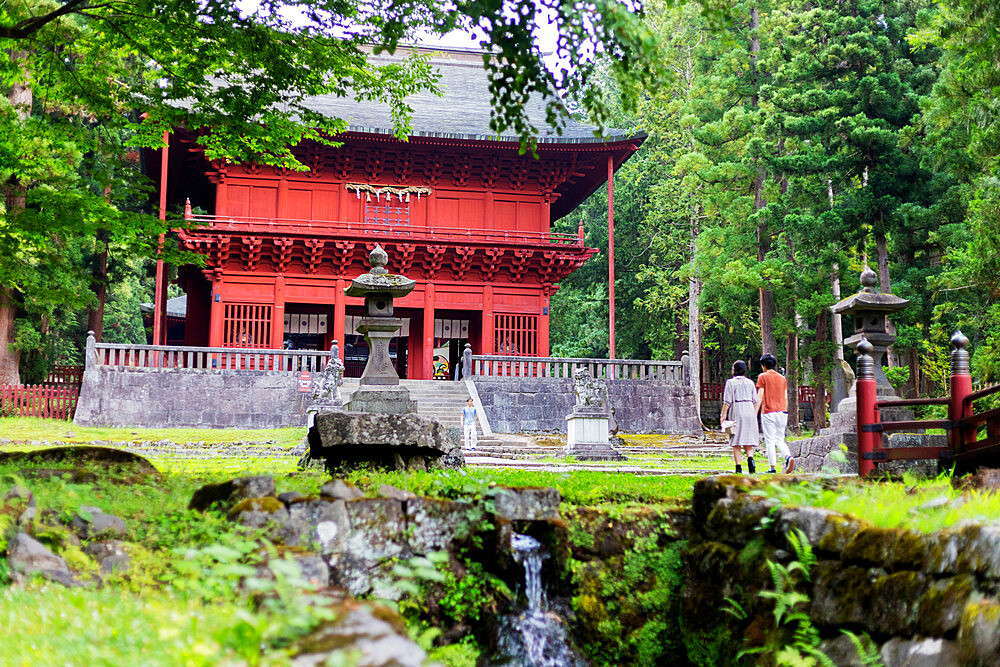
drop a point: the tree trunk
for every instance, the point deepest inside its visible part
(9, 360)
(913, 385)
(695, 351)
(15, 195)
(819, 361)
(766, 296)
(885, 285)
(792, 376)
(95, 316)
(681, 339)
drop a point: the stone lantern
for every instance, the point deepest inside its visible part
(379, 389)
(869, 309)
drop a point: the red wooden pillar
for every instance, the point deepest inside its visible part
(487, 325)
(961, 386)
(543, 327)
(340, 316)
(414, 349)
(427, 371)
(866, 392)
(217, 316)
(278, 314)
(611, 257)
(160, 293)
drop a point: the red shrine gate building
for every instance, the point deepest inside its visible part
(456, 208)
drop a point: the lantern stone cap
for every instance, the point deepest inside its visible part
(870, 298)
(378, 280)
(870, 301)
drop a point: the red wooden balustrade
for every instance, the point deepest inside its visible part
(35, 400)
(386, 230)
(965, 449)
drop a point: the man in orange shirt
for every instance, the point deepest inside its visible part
(772, 396)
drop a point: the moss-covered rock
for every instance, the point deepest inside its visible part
(943, 604)
(737, 520)
(842, 595)
(979, 634)
(229, 493)
(895, 603)
(968, 548)
(838, 531)
(871, 546)
(707, 492)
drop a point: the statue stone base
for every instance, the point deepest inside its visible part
(388, 400)
(588, 437)
(590, 426)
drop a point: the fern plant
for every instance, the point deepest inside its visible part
(791, 612)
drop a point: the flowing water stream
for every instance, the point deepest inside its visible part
(535, 637)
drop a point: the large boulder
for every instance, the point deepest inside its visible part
(79, 455)
(27, 556)
(232, 492)
(375, 635)
(345, 440)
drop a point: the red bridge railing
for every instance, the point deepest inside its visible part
(966, 447)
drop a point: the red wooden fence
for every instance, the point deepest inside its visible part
(712, 391)
(64, 374)
(38, 401)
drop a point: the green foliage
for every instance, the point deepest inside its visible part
(577, 488)
(904, 504)
(628, 605)
(897, 376)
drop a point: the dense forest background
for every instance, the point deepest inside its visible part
(807, 140)
(789, 145)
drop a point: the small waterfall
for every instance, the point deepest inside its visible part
(535, 637)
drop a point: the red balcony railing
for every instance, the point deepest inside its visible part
(384, 231)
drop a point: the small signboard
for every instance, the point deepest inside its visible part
(305, 381)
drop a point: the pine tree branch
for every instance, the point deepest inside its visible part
(28, 27)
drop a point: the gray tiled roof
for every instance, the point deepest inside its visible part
(176, 307)
(463, 112)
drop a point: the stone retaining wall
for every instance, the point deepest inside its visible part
(927, 599)
(524, 405)
(157, 398)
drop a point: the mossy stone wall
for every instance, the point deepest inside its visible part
(933, 595)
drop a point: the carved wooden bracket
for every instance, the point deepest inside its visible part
(491, 262)
(436, 255)
(250, 251)
(283, 253)
(345, 249)
(520, 262)
(464, 256)
(314, 254)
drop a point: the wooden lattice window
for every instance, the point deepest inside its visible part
(516, 335)
(387, 210)
(247, 325)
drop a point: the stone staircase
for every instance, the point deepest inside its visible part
(438, 399)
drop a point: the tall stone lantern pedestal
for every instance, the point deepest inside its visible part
(869, 309)
(378, 388)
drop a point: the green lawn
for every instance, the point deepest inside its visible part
(28, 428)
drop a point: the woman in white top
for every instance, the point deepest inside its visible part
(739, 404)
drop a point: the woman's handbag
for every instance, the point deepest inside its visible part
(728, 426)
